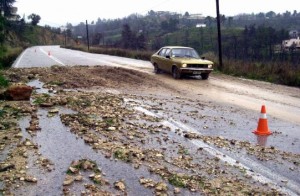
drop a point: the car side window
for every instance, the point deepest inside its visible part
(162, 52)
(168, 52)
(177, 52)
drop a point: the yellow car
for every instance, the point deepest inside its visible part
(179, 61)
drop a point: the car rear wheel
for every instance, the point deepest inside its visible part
(176, 73)
(156, 69)
(205, 76)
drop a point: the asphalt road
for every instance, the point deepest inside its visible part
(281, 101)
(231, 98)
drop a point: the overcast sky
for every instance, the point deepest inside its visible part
(59, 12)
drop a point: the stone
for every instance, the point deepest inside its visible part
(68, 180)
(30, 179)
(161, 187)
(177, 190)
(120, 185)
(19, 92)
(79, 178)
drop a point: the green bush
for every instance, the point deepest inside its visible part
(3, 81)
(9, 56)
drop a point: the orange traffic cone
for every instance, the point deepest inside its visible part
(262, 128)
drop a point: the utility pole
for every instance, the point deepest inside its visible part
(219, 35)
(65, 38)
(87, 35)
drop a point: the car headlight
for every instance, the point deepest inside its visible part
(184, 65)
(210, 66)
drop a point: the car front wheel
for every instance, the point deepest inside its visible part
(176, 73)
(205, 76)
(156, 69)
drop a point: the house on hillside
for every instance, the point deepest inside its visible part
(291, 44)
(196, 17)
(294, 33)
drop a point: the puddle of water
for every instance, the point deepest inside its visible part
(24, 123)
(38, 85)
(5, 152)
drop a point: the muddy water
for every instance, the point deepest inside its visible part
(61, 147)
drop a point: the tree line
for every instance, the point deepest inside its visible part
(246, 36)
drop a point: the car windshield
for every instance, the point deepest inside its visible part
(184, 52)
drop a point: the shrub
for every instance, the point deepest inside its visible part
(9, 56)
(3, 81)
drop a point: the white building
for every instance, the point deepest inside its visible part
(291, 44)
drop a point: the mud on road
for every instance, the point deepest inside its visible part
(114, 131)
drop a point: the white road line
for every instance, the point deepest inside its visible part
(292, 187)
(52, 57)
(16, 64)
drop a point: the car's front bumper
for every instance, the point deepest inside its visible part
(195, 71)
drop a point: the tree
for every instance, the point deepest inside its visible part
(270, 14)
(230, 20)
(97, 38)
(2, 25)
(209, 21)
(170, 25)
(223, 19)
(35, 19)
(141, 42)
(126, 40)
(6, 7)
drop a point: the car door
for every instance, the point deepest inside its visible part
(168, 60)
(160, 58)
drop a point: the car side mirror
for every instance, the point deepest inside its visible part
(168, 57)
(203, 57)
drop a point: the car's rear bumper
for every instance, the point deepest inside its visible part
(195, 71)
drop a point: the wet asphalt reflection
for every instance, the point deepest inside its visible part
(58, 144)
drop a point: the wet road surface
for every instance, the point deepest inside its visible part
(232, 108)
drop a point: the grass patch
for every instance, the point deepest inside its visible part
(178, 181)
(57, 83)
(121, 155)
(41, 99)
(284, 73)
(2, 112)
(85, 164)
(3, 81)
(8, 56)
(109, 121)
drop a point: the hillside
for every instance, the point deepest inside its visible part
(18, 36)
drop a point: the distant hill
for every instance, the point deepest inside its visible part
(27, 35)
(18, 36)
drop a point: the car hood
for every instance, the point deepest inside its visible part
(192, 61)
